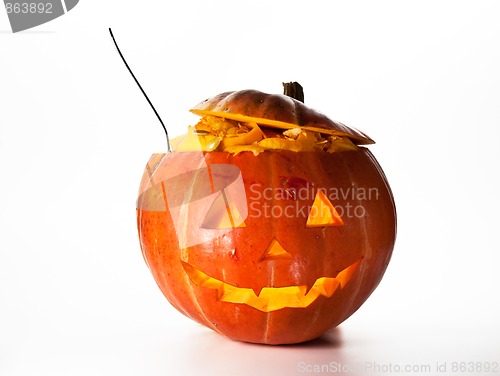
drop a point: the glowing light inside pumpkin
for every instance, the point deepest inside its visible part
(323, 212)
(275, 251)
(273, 298)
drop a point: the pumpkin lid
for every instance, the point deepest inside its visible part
(275, 111)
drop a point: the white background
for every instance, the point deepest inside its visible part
(421, 78)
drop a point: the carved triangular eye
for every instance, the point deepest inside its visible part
(323, 212)
(223, 214)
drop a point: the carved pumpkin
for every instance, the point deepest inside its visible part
(268, 223)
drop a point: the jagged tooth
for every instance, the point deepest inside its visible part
(345, 275)
(280, 297)
(273, 298)
(234, 294)
(332, 286)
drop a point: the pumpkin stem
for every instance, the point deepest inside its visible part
(294, 90)
(143, 92)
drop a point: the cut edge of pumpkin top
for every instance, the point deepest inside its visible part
(250, 120)
(214, 133)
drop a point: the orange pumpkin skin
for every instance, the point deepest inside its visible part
(235, 257)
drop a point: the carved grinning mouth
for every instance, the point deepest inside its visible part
(272, 298)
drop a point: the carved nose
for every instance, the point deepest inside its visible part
(275, 251)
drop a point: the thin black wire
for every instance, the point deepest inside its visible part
(143, 92)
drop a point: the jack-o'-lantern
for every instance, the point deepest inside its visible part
(268, 222)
